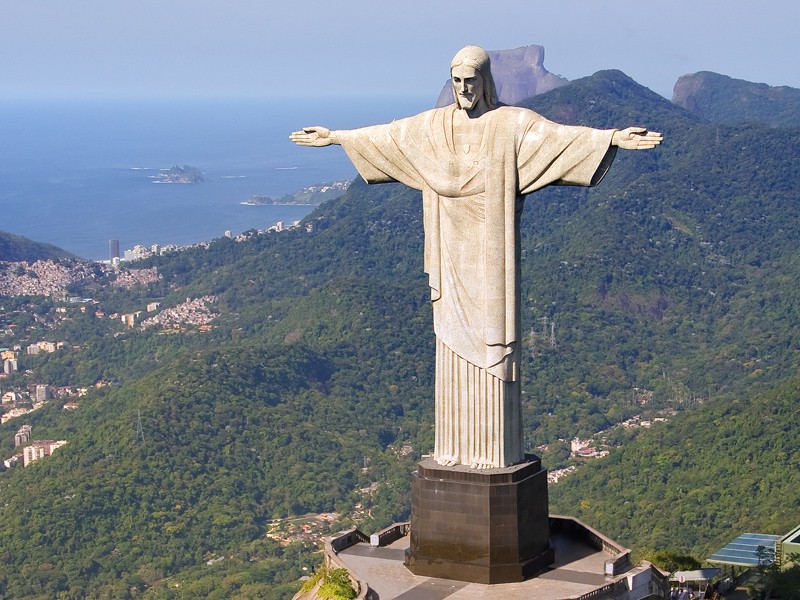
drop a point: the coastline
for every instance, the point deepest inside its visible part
(96, 155)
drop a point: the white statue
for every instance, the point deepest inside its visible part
(472, 161)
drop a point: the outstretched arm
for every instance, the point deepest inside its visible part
(314, 136)
(636, 138)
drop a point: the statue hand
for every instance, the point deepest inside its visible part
(312, 136)
(636, 138)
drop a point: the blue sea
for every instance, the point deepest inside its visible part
(79, 173)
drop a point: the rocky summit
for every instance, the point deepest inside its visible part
(518, 74)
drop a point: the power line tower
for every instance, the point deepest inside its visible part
(551, 335)
(544, 320)
(139, 429)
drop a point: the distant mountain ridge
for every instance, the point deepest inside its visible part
(17, 248)
(518, 74)
(722, 99)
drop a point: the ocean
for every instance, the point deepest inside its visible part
(79, 173)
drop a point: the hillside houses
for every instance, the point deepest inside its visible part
(31, 450)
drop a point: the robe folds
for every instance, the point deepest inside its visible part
(471, 206)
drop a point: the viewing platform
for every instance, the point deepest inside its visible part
(588, 566)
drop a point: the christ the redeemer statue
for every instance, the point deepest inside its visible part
(473, 160)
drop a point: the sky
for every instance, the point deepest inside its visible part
(318, 48)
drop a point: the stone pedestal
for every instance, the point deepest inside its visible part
(483, 526)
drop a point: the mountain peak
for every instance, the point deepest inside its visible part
(609, 98)
(518, 74)
(722, 99)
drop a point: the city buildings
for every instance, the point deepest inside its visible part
(39, 449)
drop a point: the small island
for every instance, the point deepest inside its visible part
(313, 195)
(176, 174)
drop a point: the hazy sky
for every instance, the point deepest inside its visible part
(152, 48)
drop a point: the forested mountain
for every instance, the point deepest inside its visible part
(722, 99)
(676, 275)
(15, 248)
(302, 395)
(713, 474)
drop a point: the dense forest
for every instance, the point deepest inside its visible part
(675, 275)
(721, 99)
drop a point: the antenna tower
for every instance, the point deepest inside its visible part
(139, 429)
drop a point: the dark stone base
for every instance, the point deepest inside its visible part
(488, 526)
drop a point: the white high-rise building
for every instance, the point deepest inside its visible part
(39, 449)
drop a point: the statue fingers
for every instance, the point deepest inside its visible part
(304, 138)
(646, 140)
(654, 138)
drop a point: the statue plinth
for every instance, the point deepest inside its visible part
(483, 526)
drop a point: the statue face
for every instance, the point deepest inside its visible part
(468, 86)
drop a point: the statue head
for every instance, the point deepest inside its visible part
(466, 60)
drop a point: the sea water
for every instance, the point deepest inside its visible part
(79, 173)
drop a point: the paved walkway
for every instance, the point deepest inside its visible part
(578, 570)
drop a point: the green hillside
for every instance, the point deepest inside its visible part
(729, 468)
(722, 99)
(302, 396)
(677, 275)
(15, 248)
(228, 441)
(679, 263)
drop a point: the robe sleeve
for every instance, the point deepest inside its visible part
(384, 153)
(553, 154)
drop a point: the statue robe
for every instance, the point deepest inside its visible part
(471, 211)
